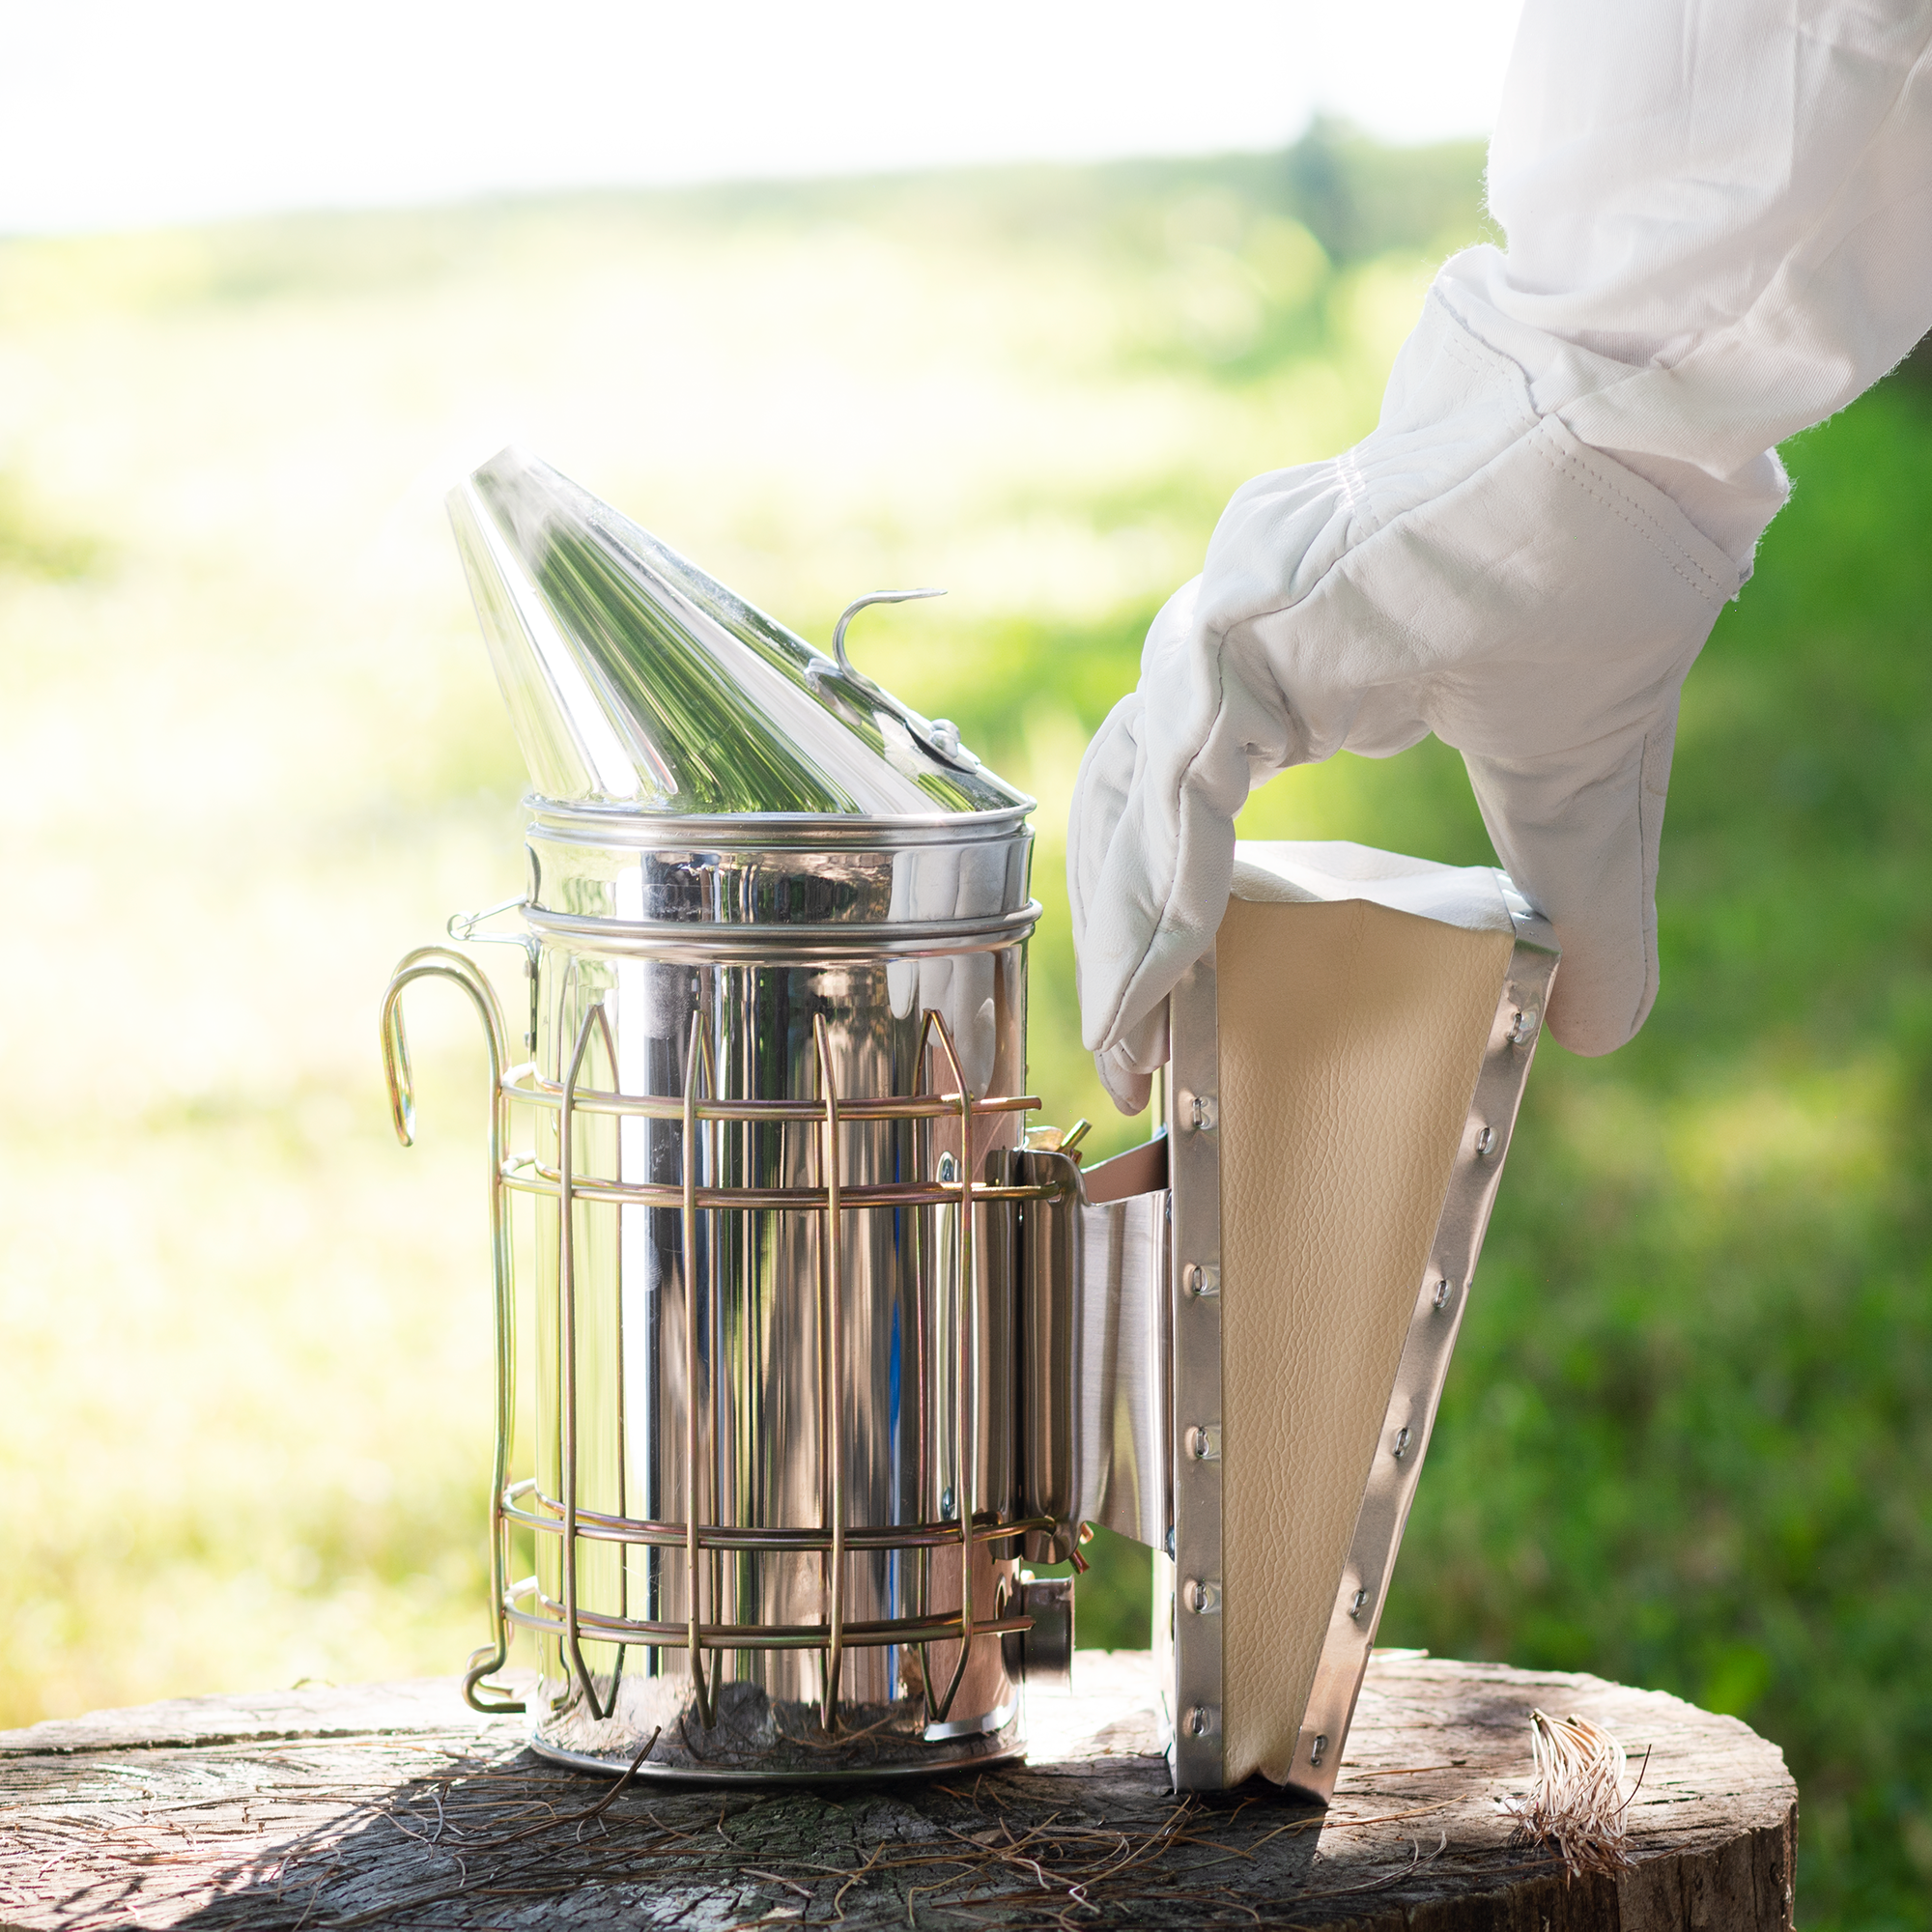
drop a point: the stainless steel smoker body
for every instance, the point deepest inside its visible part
(776, 1041)
(822, 1343)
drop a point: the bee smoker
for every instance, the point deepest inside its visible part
(821, 1343)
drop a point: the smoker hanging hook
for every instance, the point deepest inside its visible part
(859, 604)
(438, 962)
(939, 735)
(434, 962)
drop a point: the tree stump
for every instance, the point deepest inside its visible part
(392, 1804)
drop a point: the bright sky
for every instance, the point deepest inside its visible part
(122, 113)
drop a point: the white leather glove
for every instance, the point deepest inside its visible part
(1470, 569)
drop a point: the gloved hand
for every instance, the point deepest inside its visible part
(1470, 569)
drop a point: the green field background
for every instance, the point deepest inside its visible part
(252, 754)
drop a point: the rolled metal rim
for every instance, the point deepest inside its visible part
(705, 940)
(937, 1757)
(757, 831)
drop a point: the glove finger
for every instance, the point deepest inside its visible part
(1578, 831)
(1128, 1091)
(1126, 1067)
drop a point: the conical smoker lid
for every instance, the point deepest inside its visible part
(638, 683)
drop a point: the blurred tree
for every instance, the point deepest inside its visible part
(1359, 198)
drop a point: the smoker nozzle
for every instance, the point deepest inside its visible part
(635, 682)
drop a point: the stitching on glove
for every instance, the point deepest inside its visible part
(1462, 343)
(1629, 510)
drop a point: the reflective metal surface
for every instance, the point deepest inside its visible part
(1197, 1740)
(1121, 1444)
(1090, 1258)
(1041, 1655)
(638, 683)
(1040, 1238)
(751, 872)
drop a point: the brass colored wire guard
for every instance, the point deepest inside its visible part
(523, 1506)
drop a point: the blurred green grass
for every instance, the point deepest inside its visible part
(253, 753)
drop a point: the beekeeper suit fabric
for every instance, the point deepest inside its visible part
(1719, 231)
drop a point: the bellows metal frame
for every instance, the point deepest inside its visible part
(1188, 1618)
(523, 1505)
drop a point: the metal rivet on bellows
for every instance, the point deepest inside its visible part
(1316, 1749)
(1523, 1025)
(1202, 1596)
(1486, 1141)
(1201, 1279)
(1204, 1441)
(1358, 1602)
(1200, 1720)
(1401, 1444)
(1202, 1111)
(1441, 1296)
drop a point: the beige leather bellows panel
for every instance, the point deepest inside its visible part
(1346, 1068)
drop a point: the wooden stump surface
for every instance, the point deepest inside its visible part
(319, 1809)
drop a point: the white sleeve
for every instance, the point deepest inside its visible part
(1719, 229)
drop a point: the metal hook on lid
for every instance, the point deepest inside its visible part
(857, 604)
